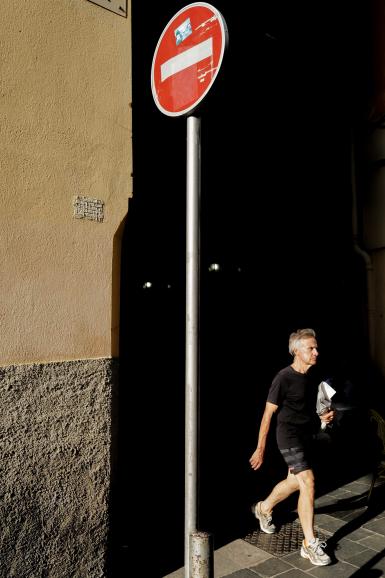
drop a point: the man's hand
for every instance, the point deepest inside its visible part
(256, 459)
(328, 416)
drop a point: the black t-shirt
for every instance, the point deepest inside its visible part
(295, 394)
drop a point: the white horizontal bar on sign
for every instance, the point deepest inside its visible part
(187, 58)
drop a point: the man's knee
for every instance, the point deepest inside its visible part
(306, 481)
(292, 481)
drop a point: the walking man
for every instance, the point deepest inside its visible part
(292, 397)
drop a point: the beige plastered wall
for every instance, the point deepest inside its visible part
(65, 132)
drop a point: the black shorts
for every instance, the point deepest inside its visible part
(297, 459)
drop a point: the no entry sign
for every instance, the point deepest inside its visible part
(187, 58)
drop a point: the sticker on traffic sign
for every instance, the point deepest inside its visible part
(187, 58)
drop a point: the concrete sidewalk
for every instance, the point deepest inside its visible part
(355, 536)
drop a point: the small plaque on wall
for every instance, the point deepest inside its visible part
(91, 209)
(117, 6)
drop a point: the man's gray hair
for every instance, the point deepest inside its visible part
(297, 336)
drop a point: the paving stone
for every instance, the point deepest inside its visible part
(374, 541)
(358, 534)
(326, 500)
(347, 548)
(365, 480)
(347, 515)
(295, 573)
(342, 493)
(377, 525)
(337, 570)
(223, 565)
(368, 560)
(356, 487)
(271, 567)
(352, 515)
(242, 553)
(296, 560)
(328, 523)
(245, 573)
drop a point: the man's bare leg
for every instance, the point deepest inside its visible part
(280, 492)
(306, 504)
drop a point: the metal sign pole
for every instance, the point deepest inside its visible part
(178, 87)
(192, 325)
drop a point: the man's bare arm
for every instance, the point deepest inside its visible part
(256, 459)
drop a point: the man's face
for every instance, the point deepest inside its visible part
(307, 351)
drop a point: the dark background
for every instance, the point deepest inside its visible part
(276, 216)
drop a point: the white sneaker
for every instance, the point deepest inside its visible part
(265, 520)
(315, 552)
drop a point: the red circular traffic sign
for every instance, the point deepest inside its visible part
(187, 58)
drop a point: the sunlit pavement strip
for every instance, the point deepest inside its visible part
(337, 514)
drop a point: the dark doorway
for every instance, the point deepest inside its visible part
(276, 219)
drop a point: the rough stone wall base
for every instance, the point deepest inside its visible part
(55, 444)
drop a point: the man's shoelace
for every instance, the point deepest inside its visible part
(318, 547)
